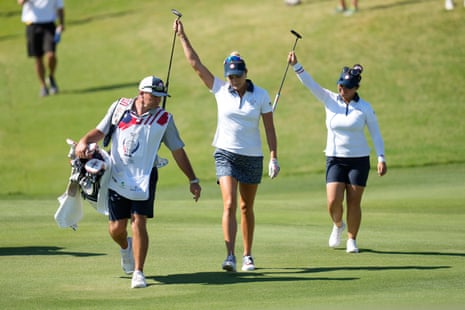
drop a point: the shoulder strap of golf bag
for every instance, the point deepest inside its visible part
(121, 107)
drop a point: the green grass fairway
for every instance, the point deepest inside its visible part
(412, 251)
(412, 52)
(412, 235)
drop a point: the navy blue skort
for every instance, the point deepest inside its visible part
(245, 169)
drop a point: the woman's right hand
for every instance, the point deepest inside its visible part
(292, 58)
(178, 27)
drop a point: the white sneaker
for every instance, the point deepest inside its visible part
(335, 237)
(247, 263)
(449, 5)
(138, 280)
(229, 263)
(351, 246)
(127, 258)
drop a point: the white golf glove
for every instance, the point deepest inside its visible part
(273, 168)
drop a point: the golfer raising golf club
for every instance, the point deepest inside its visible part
(238, 155)
(347, 150)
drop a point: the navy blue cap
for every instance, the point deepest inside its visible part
(350, 78)
(234, 65)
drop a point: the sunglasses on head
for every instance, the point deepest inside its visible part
(356, 70)
(233, 58)
(157, 88)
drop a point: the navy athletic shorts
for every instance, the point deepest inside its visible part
(351, 170)
(122, 208)
(245, 169)
(40, 39)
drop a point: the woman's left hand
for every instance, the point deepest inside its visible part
(273, 168)
(382, 168)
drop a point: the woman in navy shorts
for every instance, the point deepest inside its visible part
(347, 151)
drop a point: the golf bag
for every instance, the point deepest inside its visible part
(88, 181)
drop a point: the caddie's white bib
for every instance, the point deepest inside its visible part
(135, 145)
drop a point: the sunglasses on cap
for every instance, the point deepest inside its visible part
(356, 70)
(233, 58)
(157, 88)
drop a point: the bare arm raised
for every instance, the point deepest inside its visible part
(194, 60)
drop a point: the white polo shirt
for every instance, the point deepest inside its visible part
(40, 11)
(345, 123)
(237, 129)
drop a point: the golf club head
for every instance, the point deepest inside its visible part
(296, 34)
(176, 12)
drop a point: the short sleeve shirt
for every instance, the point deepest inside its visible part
(238, 118)
(40, 11)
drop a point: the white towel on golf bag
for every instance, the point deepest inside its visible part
(102, 199)
(69, 212)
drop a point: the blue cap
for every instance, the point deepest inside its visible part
(234, 65)
(350, 78)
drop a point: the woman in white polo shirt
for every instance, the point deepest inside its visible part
(238, 155)
(347, 151)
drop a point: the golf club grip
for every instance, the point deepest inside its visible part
(275, 103)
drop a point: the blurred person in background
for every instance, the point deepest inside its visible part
(42, 35)
(450, 5)
(343, 8)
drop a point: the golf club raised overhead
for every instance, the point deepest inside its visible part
(278, 94)
(167, 82)
(176, 12)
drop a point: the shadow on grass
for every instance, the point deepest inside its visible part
(42, 250)
(100, 17)
(399, 3)
(221, 278)
(363, 268)
(99, 88)
(280, 275)
(413, 253)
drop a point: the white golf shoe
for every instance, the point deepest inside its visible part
(229, 263)
(127, 258)
(449, 5)
(351, 246)
(335, 237)
(138, 280)
(247, 263)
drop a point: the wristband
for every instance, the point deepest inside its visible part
(381, 159)
(194, 181)
(298, 68)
